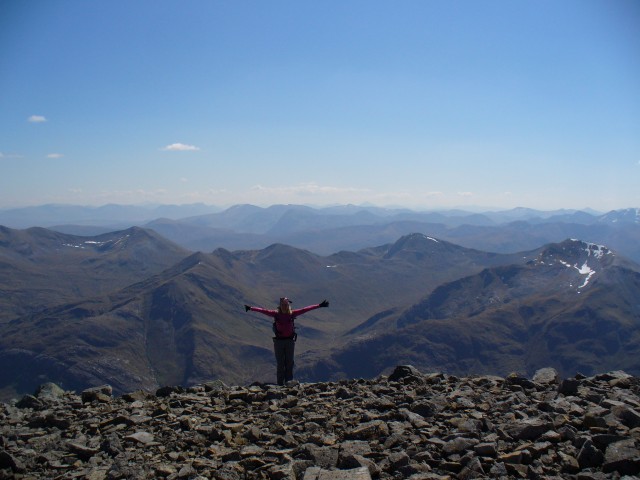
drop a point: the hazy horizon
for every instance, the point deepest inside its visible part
(429, 105)
(467, 208)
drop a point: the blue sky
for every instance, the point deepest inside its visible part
(425, 104)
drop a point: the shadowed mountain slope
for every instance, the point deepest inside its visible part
(167, 329)
(41, 268)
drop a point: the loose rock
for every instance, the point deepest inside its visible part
(410, 425)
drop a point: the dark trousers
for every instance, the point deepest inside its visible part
(284, 349)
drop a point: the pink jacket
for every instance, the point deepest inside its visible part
(283, 325)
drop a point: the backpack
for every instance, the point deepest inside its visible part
(284, 326)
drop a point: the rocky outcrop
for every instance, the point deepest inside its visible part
(408, 425)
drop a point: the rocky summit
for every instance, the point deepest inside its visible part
(406, 425)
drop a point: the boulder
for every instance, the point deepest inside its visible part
(547, 376)
(622, 457)
(97, 394)
(403, 372)
(49, 392)
(317, 473)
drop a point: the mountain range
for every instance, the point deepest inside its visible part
(574, 305)
(136, 310)
(327, 230)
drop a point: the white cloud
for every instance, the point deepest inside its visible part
(10, 155)
(180, 147)
(36, 119)
(55, 155)
(465, 194)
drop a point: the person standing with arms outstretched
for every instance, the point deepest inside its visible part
(285, 334)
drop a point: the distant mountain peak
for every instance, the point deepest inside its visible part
(416, 238)
(577, 248)
(627, 215)
(414, 242)
(427, 237)
(584, 257)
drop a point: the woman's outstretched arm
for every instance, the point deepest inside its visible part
(264, 311)
(300, 311)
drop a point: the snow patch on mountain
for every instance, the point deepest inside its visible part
(585, 269)
(426, 237)
(584, 257)
(93, 243)
(595, 250)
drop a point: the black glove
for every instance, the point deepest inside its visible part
(324, 303)
(247, 308)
